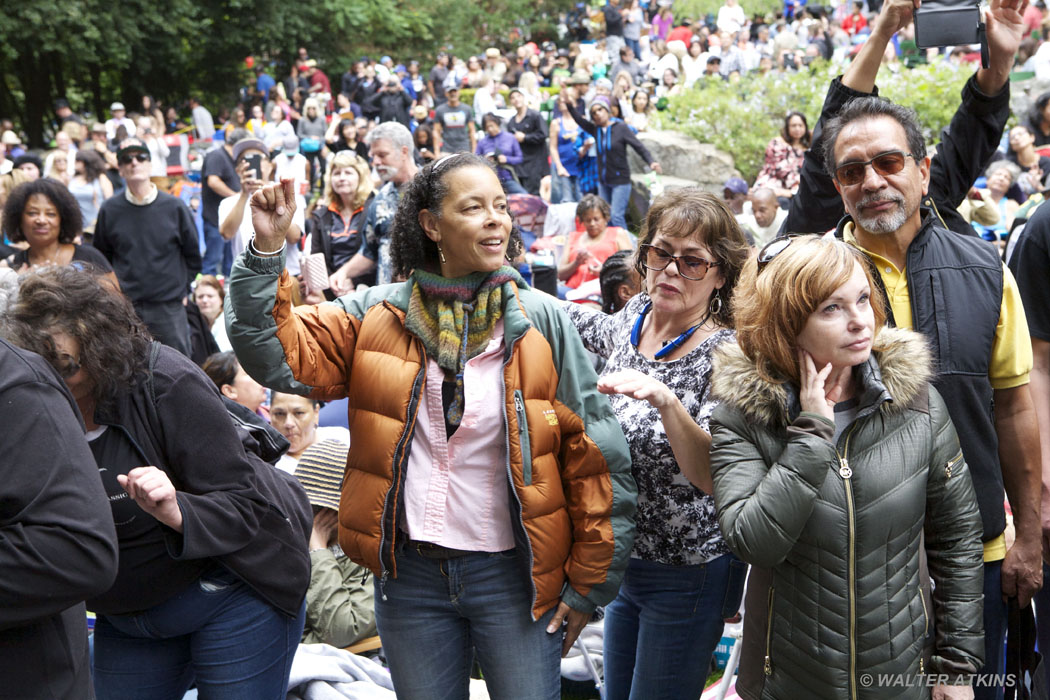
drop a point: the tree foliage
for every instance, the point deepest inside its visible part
(93, 52)
(741, 118)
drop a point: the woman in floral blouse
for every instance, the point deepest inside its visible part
(784, 157)
(681, 581)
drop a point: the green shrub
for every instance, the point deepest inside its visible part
(741, 118)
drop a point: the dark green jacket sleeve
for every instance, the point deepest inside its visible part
(763, 508)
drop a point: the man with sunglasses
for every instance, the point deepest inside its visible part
(151, 240)
(955, 290)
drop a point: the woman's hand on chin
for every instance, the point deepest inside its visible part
(819, 391)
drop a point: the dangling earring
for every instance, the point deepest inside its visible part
(716, 304)
(441, 255)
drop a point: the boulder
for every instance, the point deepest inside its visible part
(641, 196)
(1023, 94)
(685, 159)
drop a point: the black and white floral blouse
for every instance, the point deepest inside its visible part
(676, 521)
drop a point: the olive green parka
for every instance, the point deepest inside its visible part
(833, 531)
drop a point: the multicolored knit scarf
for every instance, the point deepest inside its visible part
(454, 318)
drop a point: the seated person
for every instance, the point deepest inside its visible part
(589, 247)
(339, 608)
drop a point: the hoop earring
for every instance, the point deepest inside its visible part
(716, 304)
(441, 255)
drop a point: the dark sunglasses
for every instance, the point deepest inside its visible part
(690, 267)
(889, 163)
(127, 158)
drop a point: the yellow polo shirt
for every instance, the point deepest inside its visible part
(1011, 360)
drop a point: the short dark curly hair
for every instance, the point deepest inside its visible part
(410, 247)
(114, 345)
(71, 221)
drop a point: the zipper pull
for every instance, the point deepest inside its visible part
(844, 471)
(922, 670)
(519, 405)
(948, 470)
(767, 668)
(382, 584)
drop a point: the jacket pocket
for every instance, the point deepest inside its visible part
(523, 438)
(949, 468)
(767, 664)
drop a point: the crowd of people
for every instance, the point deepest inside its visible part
(826, 377)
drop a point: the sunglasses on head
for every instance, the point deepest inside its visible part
(128, 157)
(888, 163)
(691, 267)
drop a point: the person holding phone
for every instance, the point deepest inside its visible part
(491, 491)
(252, 162)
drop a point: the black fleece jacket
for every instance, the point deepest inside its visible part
(57, 541)
(253, 518)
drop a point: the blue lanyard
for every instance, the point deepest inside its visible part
(668, 348)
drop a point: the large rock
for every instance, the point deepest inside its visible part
(1024, 93)
(685, 158)
(641, 196)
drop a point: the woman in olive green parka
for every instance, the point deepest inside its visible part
(832, 457)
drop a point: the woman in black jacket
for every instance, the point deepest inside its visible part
(336, 227)
(214, 567)
(612, 139)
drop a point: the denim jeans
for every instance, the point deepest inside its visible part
(995, 622)
(218, 633)
(618, 196)
(664, 625)
(564, 189)
(439, 613)
(214, 244)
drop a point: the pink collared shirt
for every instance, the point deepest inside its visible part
(456, 490)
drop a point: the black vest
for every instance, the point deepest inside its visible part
(955, 286)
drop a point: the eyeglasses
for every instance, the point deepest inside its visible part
(69, 365)
(888, 163)
(690, 267)
(127, 158)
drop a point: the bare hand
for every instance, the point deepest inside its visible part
(952, 692)
(272, 210)
(631, 382)
(340, 283)
(895, 16)
(1005, 27)
(562, 172)
(575, 620)
(326, 524)
(520, 136)
(1022, 573)
(656, 168)
(817, 394)
(154, 493)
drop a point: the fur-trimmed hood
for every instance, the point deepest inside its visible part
(897, 372)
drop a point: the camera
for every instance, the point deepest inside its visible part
(951, 25)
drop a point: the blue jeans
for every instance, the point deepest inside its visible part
(214, 244)
(664, 625)
(218, 633)
(564, 189)
(995, 622)
(439, 613)
(618, 197)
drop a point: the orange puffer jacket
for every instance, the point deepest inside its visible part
(568, 461)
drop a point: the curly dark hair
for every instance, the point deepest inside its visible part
(221, 368)
(94, 165)
(114, 344)
(691, 212)
(70, 220)
(409, 245)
